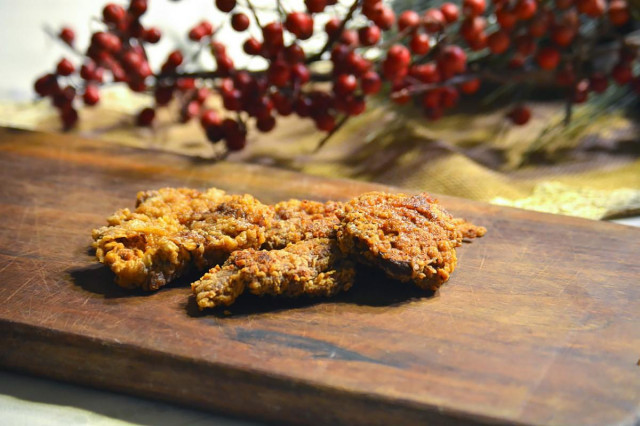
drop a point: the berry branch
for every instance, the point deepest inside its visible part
(429, 58)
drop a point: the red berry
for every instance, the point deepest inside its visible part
(538, 26)
(345, 84)
(174, 59)
(46, 85)
(232, 100)
(252, 46)
(65, 67)
(498, 42)
(563, 35)
(356, 64)
(145, 117)
(300, 24)
(184, 84)
(113, 13)
(67, 35)
(563, 4)
(63, 99)
(385, 19)
(526, 9)
(235, 136)
(239, 21)
(315, 6)
(473, 7)
(399, 55)
(225, 5)
(593, 8)
(152, 35)
(369, 36)
(472, 27)
(520, 115)
(294, 54)
(282, 104)
(332, 26)
(426, 73)
(356, 106)
(214, 133)
(408, 19)
(302, 107)
(91, 95)
(622, 73)
(548, 58)
(132, 60)
(506, 19)
(432, 99)
(598, 82)
(433, 20)
(279, 73)
(266, 124)
(581, 92)
(137, 7)
(300, 73)
(370, 83)
(450, 12)
(449, 96)
(470, 86)
(452, 60)
(197, 33)
(69, 117)
(419, 43)
(224, 65)
(163, 95)
(325, 122)
(349, 38)
(273, 37)
(618, 12)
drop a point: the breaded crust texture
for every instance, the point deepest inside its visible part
(409, 237)
(314, 267)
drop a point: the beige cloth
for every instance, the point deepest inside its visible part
(591, 169)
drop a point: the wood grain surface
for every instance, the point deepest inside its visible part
(540, 322)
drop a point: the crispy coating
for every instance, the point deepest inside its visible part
(409, 237)
(297, 220)
(314, 267)
(172, 230)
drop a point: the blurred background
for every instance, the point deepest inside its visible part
(589, 168)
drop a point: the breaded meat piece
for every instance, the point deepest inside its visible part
(172, 230)
(409, 237)
(297, 220)
(314, 267)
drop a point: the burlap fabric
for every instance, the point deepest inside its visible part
(590, 170)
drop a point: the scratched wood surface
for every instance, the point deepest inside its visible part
(540, 322)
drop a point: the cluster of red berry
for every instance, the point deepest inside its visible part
(424, 58)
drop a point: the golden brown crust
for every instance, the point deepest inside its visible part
(314, 267)
(297, 220)
(174, 229)
(410, 237)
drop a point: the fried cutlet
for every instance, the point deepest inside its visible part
(314, 267)
(297, 220)
(172, 230)
(409, 237)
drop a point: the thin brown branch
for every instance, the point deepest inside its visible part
(254, 13)
(336, 36)
(331, 133)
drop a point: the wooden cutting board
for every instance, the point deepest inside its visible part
(540, 322)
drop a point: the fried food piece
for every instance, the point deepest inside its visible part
(296, 220)
(171, 230)
(314, 267)
(411, 238)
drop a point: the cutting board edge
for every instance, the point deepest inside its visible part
(23, 342)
